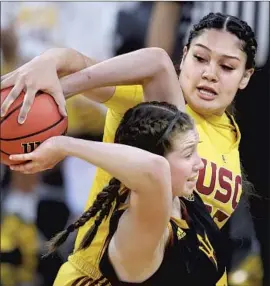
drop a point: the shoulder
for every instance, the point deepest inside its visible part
(124, 98)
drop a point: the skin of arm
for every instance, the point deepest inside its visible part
(138, 241)
(150, 67)
(148, 176)
(69, 61)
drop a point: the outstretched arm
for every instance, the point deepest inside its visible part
(147, 176)
(150, 67)
(42, 74)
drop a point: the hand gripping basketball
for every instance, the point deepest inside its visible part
(46, 156)
(44, 121)
(39, 74)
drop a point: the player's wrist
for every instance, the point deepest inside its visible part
(61, 145)
(57, 57)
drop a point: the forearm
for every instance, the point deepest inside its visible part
(132, 166)
(151, 68)
(68, 61)
(120, 70)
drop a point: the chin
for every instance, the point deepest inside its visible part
(202, 108)
(187, 192)
(206, 108)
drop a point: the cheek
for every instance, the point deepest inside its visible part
(230, 85)
(189, 76)
(179, 173)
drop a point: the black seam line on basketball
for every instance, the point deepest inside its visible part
(35, 133)
(5, 152)
(64, 133)
(16, 108)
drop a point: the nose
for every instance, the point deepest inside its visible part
(210, 73)
(199, 164)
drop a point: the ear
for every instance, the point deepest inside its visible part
(245, 79)
(185, 51)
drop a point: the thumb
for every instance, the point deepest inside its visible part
(22, 157)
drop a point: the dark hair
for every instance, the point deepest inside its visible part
(232, 24)
(149, 126)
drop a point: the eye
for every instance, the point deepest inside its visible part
(227, 68)
(188, 156)
(199, 59)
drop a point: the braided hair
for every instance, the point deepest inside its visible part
(150, 126)
(232, 24)
(101, 205)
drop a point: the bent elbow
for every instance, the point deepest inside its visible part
(161, 58)
(158, 58)
(159, 170)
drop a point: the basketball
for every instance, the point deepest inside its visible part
(43, 121)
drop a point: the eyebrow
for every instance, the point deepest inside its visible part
(227, 56)
(190, 146)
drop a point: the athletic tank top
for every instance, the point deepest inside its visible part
(195, 252)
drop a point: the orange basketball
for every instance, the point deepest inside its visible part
(43, 121)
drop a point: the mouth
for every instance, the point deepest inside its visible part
(206, 92)
(193, 179)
